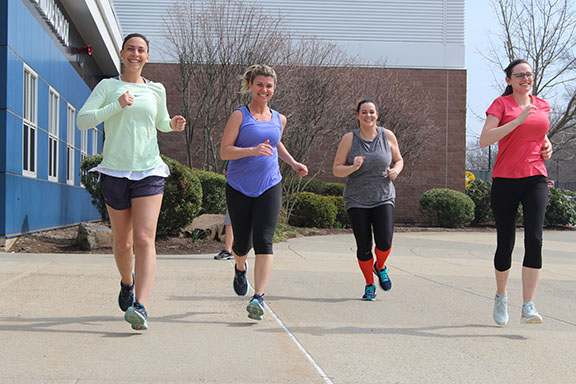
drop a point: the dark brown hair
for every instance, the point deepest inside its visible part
(508, 71)
(128, 37)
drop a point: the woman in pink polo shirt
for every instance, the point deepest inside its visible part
(519, 122)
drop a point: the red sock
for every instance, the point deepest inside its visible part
(381, 257)
(367, 270)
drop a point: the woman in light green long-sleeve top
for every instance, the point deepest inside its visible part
(132, 172)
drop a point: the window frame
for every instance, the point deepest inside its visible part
(29, 122)
(70, 137)
(53, 133)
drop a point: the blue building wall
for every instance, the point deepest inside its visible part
(30, 204)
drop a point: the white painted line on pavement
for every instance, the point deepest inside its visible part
(300, 346)
(292, 337)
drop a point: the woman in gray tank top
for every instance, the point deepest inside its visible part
(369, 157)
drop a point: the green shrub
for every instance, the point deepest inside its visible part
(479, 192)
(182, 198)
(312, 210)
(447, 208)
(213, 192)
(341, 214)
(334, 189)
(561, 210)
(315, 186)
(91, 182)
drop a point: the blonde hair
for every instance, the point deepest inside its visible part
(253, 71)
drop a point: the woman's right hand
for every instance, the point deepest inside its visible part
(262, 149)
(358, 161)
(126, 99)
(530, 109)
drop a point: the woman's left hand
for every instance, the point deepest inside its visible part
(392, 174)
(546, 150)
(178, 123)
(301, 169)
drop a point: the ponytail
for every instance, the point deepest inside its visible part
(508, 91)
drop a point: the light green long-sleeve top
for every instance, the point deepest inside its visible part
(131, 142)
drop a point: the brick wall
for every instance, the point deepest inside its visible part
(441, 165)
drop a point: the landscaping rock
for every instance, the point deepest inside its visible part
(94, 236)
(210, 226)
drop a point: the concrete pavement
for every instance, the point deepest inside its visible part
(59, 321)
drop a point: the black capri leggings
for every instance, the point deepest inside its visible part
(254, 219)
(505, 196)
(364, 220)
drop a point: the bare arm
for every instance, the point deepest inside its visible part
(340, 169)
(397, 159)
(491, 133)
(286, 157)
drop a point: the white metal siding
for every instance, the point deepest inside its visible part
(405, 33)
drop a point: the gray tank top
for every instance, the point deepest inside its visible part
(369, 186)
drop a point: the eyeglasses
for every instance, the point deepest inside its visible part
(527, 75)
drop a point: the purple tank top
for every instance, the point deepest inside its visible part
(254, 175)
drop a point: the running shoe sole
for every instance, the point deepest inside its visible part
(532, 320)
(255, 310)
(139, 322)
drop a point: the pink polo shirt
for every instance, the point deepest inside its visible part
(519, 152)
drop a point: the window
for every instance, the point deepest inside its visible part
(53, 126)
(29, 122)
(83, 144)
(94, 141)
(70, 132)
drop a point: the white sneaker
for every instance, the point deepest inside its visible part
(529, 314)
(501, 309)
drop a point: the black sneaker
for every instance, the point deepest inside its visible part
(240, 281)
(126, 296)
(224, 255)
(137, 316)
(383, 277)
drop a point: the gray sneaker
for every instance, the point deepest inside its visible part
(224, 255)
(529, 314)
(501, 309)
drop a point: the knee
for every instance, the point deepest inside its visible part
(122, 245)
(533, 242)
(241, 248)
(502, 264)
(364, 255)
(263, 249)
(143, 241)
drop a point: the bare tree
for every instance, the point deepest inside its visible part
(544, 33)
(396, 96)
(478, 157)
(318, 86)
(314, 94)
(214, 41)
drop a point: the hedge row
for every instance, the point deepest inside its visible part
(191, 192)
(450, 208)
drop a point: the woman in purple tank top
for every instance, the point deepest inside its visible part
(251, 142)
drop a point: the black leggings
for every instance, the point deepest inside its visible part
(505, 196)
(254, 219)
(364, 220)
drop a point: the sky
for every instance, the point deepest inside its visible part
(480, 22)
